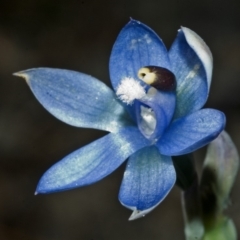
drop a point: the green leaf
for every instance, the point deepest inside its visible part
(219, 172)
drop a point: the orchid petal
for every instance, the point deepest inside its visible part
(192, 132)
(93, 162)
(76, 98)
(136, 46)
(191, 62)
(148, 178)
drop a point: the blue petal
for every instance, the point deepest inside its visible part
(192, 132)
(148, 178)
(191, 62)
(76, 98)
(93, 162)
(136, 46)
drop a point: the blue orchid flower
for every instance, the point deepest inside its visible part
(154, 113)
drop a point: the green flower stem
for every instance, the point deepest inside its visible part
(210, 209)
(223, 229)
(187, 180)
(191, 205)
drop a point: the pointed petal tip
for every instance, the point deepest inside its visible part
(180, 29)
(18, 74)
(136, 214)
(36, 193)
(140, 213)
(22, 74)
(134, 20)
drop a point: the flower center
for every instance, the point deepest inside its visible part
(155, 97)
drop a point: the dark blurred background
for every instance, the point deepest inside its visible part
(79, 35)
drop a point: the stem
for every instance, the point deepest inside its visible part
(192, 213)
